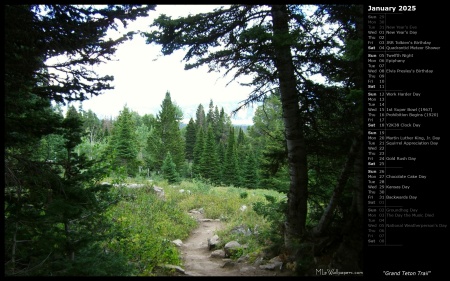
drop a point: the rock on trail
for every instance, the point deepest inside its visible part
(197, 256)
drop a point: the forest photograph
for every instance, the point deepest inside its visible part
(145, 194)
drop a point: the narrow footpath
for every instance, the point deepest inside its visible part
(197, 257)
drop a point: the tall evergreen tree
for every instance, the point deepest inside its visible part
(210, 115)
(190, 140)
(200, 121)
(167, 129)
(231, 171)
(221, 159)
(273, 43)
(221, 127)
(198, 152)
(215, 124)
(257, 47)
(240, 138)
(250, 171)
(267, 134)
(54, 209)
(209, 164)
(124, 143)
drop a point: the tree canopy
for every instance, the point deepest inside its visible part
(53, 203)
(305, 141)
(282, 47)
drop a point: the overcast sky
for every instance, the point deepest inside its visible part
(142, 76)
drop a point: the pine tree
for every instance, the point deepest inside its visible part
(123, 145)
(169, 169)
(209, 165)
(190, 140)
(210, 115)
(198, 152)
(241, 138)
(273, 43)
(200, 121)
(149, 120)
(53, 202)
(250, 171)
(167, 129)
(221, 127)
(230, 168)
(221, 161)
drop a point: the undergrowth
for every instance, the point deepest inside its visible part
(145, 225)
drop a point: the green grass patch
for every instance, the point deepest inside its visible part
(144, 226)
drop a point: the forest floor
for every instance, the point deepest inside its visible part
(197, 257)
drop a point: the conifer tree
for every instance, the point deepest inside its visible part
(200, 121)
(250, 171)
(215, 124)
(169, 169)
(241, 138)
(230, 168)
(209, 166)
(123, 145)
(149, 120)
(221, 161)
(56, 208)
(167, 129)
(221, 127)
(198, 152)
(282, 48)
(210, 115)
(190, 140)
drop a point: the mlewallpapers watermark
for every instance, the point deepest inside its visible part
(337, 272)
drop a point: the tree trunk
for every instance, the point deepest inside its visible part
(69, 243)
(298, 190)
(349, 255)
(338, 190)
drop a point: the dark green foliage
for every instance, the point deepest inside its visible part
(283, 48)
(267, 136)
(240, 138)
(250, 173)
(231, 172)
(54, 205)
(149, 120)
(198, 152)
(224, 122)
(168, 135)
(209, 164)
(123, 145)
(274, 211)
(190, 140)
(55, 208)
(221, 160)
(169, 169)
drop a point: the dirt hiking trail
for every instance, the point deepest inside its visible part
(197, 257)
